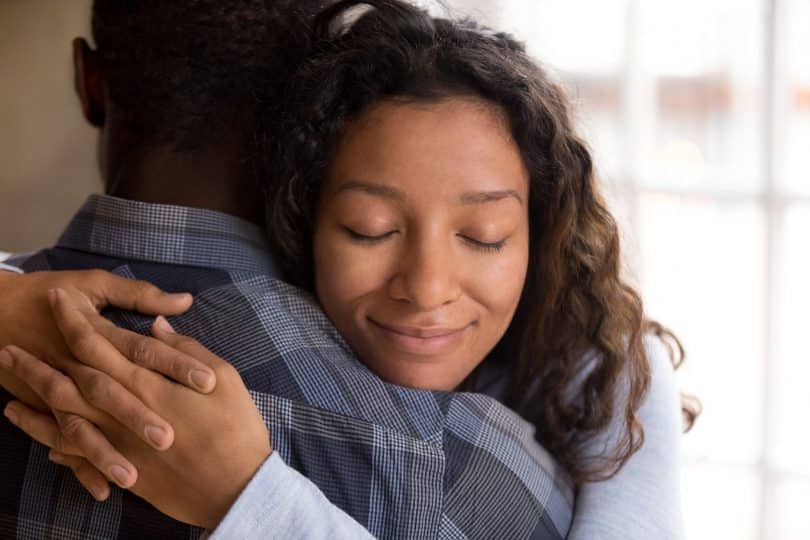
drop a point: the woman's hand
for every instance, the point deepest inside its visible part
(220, 442)
(26, 321)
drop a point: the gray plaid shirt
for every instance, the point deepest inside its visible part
(403, 463)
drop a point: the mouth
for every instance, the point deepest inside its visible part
(422, 341)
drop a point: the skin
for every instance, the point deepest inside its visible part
(26, 298)
(421, 244)
(221, 438)
(213, 177)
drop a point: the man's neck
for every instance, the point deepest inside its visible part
(212, 179)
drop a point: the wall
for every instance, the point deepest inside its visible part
(47, 152)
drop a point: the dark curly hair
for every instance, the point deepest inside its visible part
(184, 72)
(574, 300)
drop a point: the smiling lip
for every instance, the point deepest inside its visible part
(419, 340)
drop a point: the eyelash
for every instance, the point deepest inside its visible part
(485, 246)
(366, 238)
(477, 244)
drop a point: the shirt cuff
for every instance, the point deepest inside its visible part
(9, 268)
(279, 502)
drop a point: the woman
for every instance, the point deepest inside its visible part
(449, 212)
(418, 114)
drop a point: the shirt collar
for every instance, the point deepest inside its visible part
(167, 234)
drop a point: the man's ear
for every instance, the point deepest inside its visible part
(89, 82)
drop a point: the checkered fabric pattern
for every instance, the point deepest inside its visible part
(404, 463)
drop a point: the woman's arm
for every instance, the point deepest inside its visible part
(643, 500)
(217, 474)
(26, 321)
(279, 502)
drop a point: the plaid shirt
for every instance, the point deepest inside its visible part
(404, 463)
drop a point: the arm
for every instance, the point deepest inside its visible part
(7, 381)
(26, 321)
(281, 503)
(211, 466)
(643, 500)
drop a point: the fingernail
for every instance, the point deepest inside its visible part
(52, 296)
(181, 296)
(12, 415)
(164, 325)
(101, 493)
(5, 359)
(201, 380)
(56, 457)
(120, 474)
(158, 436)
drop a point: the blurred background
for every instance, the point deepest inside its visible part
(698, 112)
(47, 152)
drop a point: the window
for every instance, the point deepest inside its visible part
(698, 113)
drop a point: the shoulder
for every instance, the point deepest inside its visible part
(663, 395)
(643, 499)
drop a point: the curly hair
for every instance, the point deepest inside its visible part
(575, 308)
(185, 72)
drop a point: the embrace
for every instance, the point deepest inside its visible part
(351, 276)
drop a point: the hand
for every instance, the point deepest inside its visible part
(26, 320)
(220, 441)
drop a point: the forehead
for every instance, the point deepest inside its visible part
(453, 145)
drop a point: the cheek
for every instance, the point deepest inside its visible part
(498, 283)
(345, 272)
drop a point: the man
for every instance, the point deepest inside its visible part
(171, 88)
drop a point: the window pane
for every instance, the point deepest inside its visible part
(589, 55)
(791, 365)
(720, 502)
(790, 518)
(703, 63)
(702, 275)
(794, 176)
(556, 31)
(559, 35)
(564, 42)
(597, 108)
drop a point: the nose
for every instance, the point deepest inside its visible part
(427, 275)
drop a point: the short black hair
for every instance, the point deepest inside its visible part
(184, 73)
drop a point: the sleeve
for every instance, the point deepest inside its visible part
(643, 500)
(281, 503)
(9, 268)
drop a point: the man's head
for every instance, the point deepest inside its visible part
(182, 76)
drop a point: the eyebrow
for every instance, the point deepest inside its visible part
(480, 197)
(388, 192)
(371, 188)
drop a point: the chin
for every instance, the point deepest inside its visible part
(416, 373)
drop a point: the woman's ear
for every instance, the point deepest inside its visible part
(89, 82)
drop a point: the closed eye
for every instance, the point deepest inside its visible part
(369, 239)
(484, 246)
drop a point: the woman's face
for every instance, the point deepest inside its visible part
(422, 239)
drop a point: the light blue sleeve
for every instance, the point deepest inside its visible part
(643, 500)
(279, 502)
(9, 268)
